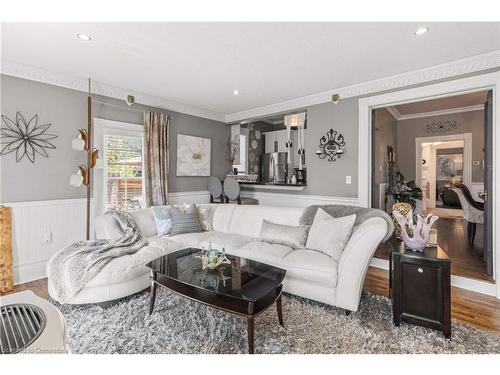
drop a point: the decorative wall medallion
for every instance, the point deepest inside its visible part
(330, 146)
(25, 138)
(440, 127)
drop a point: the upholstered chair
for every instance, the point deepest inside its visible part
(232, 192)
(473, 210)
(215, 189)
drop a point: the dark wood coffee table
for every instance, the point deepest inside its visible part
(245, 287)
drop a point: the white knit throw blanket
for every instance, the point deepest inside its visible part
(75, 266)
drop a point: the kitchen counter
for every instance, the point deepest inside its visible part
(273, 186)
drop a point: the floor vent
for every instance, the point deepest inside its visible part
(20, 325)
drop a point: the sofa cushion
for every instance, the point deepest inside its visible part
(247, 220)
(193, 239)
(310, 265)
(289, 235)
(222, 216)
(229, 241)
(128, 267)
(263, 252)
(329, 234)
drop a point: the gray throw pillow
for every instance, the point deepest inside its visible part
(329, 234)
(185, 222)
(287, 235)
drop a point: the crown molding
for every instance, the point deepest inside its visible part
(452, 69)
(394, 112)
(14, 69)
(448, 70)
(479, 107)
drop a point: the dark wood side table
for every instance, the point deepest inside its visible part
(419, 285)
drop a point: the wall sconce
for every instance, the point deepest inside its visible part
(130, 100)
(330, 146)
(81, 177)
(335, 98)
(80, 143)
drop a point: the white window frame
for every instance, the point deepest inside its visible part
(104, 127)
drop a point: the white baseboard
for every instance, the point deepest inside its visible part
(473, 285)
(296, 200)
(28, 272)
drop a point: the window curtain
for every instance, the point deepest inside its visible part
(156, 140)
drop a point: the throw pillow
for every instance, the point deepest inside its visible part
(163, 219)
(287, 235)
(205, 215)
(329, 234)
(185, 222)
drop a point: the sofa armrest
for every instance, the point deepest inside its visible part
(355, 260)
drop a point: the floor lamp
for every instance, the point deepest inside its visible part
(83, 142)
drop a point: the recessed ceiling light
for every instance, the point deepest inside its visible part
(83, 37)
(421, 30)
(236, 92)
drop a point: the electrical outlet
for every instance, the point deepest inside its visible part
(47, 236)
(348, 180)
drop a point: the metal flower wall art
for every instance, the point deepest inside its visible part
(330, 146)
(25, 138)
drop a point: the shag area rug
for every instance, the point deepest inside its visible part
(179, 325)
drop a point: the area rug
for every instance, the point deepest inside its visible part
(179, 325)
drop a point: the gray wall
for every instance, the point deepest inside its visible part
(66, 110)
(408, 130)
(324, 177)
(386, 134)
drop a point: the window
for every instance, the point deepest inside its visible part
(123, 165)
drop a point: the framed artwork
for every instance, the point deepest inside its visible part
(449, 166)
(193, 155)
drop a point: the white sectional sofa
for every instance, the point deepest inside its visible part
(310, 273)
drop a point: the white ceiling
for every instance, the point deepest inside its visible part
(200, 64)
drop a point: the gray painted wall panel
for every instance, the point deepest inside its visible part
(66, 110)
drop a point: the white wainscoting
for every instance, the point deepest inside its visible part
(475, 188)
(201, 196)
(296, 200)
(41, 228)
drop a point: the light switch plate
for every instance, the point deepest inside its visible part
(348, 180)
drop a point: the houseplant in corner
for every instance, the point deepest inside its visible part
(407, 192)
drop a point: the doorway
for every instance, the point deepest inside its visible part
(437, 145)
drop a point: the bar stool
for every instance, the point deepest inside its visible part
(215, 189)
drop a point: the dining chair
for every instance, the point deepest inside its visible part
(473, 210)
(232, 192)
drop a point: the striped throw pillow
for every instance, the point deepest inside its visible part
(185, 222)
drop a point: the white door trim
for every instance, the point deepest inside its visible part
(489, 81)
(466, 137)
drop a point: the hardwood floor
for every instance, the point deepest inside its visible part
(475, 309)
(467, 259)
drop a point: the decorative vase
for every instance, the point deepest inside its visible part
(403, 209)
(419, 237)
